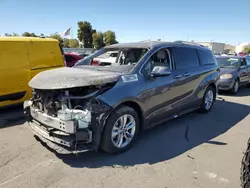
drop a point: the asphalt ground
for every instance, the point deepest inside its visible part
(193, 151)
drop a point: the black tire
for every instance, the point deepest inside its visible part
(203, 108)
(234, 90)
(106, 142)
(245, 168)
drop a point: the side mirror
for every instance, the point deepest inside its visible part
(159, 71)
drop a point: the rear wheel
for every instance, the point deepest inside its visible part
(208, 99)
(121, 130)
(245, 168)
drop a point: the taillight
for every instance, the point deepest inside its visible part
(95, 62)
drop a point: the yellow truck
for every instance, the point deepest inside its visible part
(21, 58)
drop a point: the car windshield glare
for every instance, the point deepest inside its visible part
(231, 63)
(114, 56)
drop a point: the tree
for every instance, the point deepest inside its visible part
(98, 40)
(42, 35)
(65, 43)
(73, 43)
(26, 34)
(7, 35)
(247, 50)
(57, 37)
(15, 35)
(84, 33)
(109, 38)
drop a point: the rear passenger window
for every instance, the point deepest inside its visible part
(185, 58)
(206, 57)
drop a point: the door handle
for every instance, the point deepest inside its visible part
(177, 76)
(186, 74)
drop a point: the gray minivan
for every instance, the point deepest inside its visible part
(86, 107)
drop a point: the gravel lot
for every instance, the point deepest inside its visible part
(193, 151)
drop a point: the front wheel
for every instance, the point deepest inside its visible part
(121, 130)
(208, 99)
(235, 87)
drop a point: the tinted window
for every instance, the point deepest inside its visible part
(69, 58)
(248, 61)
(206, 57)
(185, 58)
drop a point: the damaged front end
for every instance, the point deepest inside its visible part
(68, 120)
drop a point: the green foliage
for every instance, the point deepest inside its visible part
(57, 37)
(27, 34)
(247, 50)
(109, 38)
(84, 33)
(73, 43)
(15, 35)
(88, 37)
(98, 40)
(65, 43)
(7, 35)
(70, 43)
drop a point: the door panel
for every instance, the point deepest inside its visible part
(243, 72)
(248, 68)
(15, 71)
(163, 92)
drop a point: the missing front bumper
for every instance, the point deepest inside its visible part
(63, 144)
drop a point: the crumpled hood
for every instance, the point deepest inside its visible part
(65, 77)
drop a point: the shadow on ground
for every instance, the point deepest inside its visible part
(11, 116)
(243, 91)
(169, 140)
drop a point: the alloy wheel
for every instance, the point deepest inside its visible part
(123, 131)
(236, 86)
(209, 98)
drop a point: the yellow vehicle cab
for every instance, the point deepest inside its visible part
(21, 58)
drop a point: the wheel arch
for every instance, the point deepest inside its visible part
(138, 109)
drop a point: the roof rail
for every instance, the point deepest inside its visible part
(186, 42)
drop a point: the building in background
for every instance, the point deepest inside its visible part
(216, 47)
(242, 46)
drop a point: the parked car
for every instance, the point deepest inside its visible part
(21, 58)
(87, 107)
(242, 54)
(235, 72)
(108, 58)
(71, 59)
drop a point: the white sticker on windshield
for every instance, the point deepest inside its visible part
(130, 78)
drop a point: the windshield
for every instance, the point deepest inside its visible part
(231, 63)
(114, 57)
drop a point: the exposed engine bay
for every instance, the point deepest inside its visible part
(71, 119)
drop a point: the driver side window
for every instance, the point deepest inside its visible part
(160, 58)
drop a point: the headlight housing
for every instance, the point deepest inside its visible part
(226, 76)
